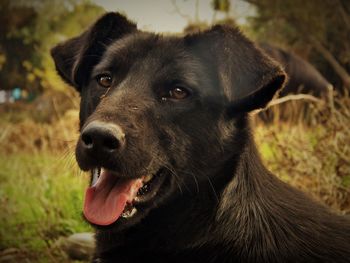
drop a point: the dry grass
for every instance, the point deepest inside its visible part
(310, 149)
(32, 137)
(50, 124)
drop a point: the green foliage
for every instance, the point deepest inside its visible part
(31, 29)
(221, 5)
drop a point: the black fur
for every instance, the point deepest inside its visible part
(218, 202)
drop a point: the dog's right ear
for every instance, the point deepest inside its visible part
(75, 58)
(247, 77)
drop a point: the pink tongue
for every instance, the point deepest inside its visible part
(106, 200)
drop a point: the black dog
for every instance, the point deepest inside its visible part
(176, 176)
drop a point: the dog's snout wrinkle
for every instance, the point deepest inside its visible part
(102, 138)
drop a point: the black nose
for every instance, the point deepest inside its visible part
(102, 138)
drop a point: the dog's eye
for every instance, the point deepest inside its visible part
(104, 80)
(177, 93)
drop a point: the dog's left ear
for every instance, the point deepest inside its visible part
(75, 58)
(248, 77)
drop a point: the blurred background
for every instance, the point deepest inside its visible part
(304, 135)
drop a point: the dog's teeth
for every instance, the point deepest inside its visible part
(95, 175)
(129, 213)
(147, 178)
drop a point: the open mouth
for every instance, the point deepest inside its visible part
(111, 196)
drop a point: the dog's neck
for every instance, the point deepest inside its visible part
(266, 219)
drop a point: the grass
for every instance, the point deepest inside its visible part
(41, 200)
(42, 189)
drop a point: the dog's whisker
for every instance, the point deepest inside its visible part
(213, 189)
(207, 178)
(176, 176)
(193, 175)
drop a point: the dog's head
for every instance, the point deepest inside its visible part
(159, 114)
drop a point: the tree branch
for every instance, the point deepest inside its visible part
(338, 68)
(178, 11)
(345, 16)
(295, 97)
